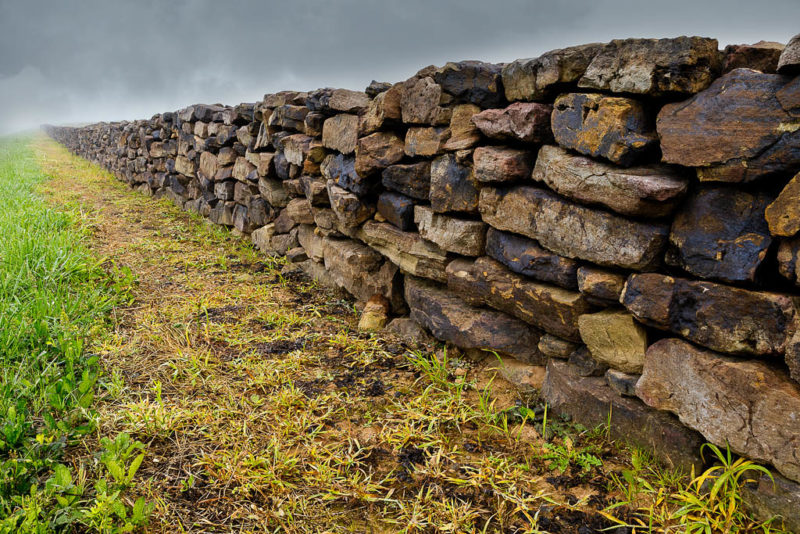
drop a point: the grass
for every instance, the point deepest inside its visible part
(259, 407)
(54, 296)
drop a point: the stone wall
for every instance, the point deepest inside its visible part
(625, 215)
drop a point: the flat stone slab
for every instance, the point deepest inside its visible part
(461, 236)
(408, 250)
(525, 256)
(723, 318)
(486, 282)
(745, 403)
(589, 401)
(449, 318)
(737, 130)
(526, 122)
(650, 191)
(543, 77)
(682, 65)
(572, 230)
(502, 164)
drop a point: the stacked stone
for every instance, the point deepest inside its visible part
(624, 215)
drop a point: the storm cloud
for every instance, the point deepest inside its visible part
(89, 60)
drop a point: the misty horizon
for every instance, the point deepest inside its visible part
(116, 60)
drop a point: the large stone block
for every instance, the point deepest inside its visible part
(682, 65)
(227, 156)
(408, 250)
(342, 170)
(315, 190)
(341, 133)
(474, 82)
(486, 282)
(242, 192)
(600, 283)
(295, 148)
(737, 130)
(208, 165)
(783, 215)
(502, 164)
(313, 243)
(451, 319)
(747, 404)
(341, 100)
(426, 141)
(273, 192)
(789, 62)
(618, 129)
(362, 271)
(762, 56)
(615, 339)
(463, 133)
(397, 209)
(241, 220)
(377, 151)
(411, 179)
(288, 117)
(644, 191)
(774, 496)
(572, 230)
(545, 76)
(590, 402)
(379, 113)
(452, 187)
(261, 238)
(723, 318)
(461, 236)
(225, 190)
(525, 256)
(526, 122)
(299, 210)
(242, 170)
(263, 162)
(349, 209)
(720, 233)
(419, 101)
(185, 166)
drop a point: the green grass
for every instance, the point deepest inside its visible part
(55, 297)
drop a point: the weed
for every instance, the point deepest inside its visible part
(708, 503)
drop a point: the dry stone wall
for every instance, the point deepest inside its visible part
(623, 216)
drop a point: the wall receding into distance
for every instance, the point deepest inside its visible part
(620, 219)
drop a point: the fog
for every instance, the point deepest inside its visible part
(90, 60)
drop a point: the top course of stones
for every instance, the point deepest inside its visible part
(625, 214)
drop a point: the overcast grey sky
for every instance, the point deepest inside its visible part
(87, 60)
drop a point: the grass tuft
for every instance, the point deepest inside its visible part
(54, 296)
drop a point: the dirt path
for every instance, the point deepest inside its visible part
(263, 409)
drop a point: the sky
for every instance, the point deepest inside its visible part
(76, 61)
